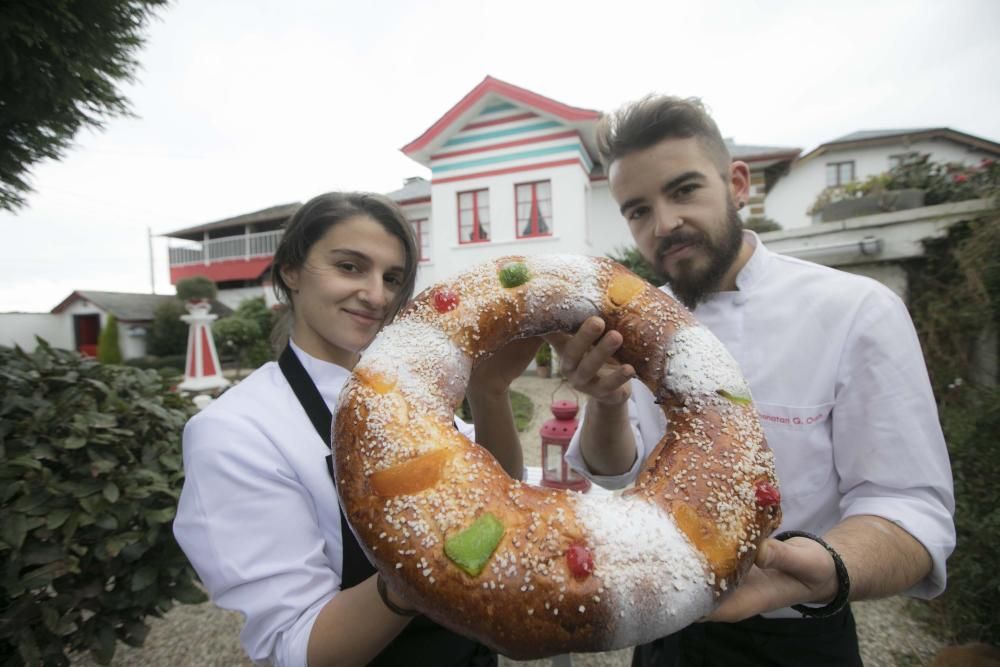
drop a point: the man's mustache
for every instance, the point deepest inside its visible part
(676, 239)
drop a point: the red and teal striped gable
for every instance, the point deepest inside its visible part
(499, 128)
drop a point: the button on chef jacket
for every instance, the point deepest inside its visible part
(838, 378)
(258, 515)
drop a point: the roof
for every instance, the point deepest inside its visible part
(281, 212)
(866, 138)
(420, 149)
(751, 153)
(128, 306)
(415, 188)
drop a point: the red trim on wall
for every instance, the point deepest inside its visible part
(232, 269)
(512, 170)
(505, 90)
(500, 121)
(509, 144)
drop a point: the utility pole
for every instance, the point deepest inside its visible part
(152, 274)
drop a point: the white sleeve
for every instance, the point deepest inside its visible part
(889, 451)
(644, 429)
(249, 528)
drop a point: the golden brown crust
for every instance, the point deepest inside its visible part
(409, 481)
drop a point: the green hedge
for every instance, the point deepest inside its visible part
(955, 301)
(90, 474)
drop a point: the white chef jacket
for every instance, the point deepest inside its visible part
(836, 372)
(258, 517)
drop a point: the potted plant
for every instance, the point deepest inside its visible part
(543, 361)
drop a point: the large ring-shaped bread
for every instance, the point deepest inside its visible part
(532, 571)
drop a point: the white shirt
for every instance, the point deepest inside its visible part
(837, 375)
(258, 515)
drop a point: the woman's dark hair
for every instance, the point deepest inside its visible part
(644, 123)
(315, 218)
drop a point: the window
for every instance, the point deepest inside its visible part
(839, 173)
(474, 216)
(534, 209)
(422, 232)
(896, 161)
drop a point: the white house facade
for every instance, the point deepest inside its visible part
(859, 155)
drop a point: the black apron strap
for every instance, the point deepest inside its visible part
(357, 567)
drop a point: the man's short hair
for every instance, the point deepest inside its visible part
(638, 125)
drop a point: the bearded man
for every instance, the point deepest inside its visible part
(836, 373)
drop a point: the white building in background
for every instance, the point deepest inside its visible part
(859, 155)
(511, 173)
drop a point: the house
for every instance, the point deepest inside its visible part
(856, 156)
(77, 321)
(511, 172)
(235, 253)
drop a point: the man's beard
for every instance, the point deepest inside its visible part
(692, 285)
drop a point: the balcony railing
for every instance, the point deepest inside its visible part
(261, 244)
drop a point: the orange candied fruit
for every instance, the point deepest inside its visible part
(624, 287)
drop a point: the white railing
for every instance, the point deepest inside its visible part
(261, 244)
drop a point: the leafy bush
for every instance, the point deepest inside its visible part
(631, 259)
(168, 334)
(761, 224)
(955, 303)
(543, 357)
(108, 349)
(234, 337)
(196, 287)
(172, 361)
(90, 474)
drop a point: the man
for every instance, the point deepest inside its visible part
(837, 376)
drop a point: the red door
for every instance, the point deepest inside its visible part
(87, 328)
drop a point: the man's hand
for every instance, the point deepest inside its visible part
(785, 573)
(587, 363)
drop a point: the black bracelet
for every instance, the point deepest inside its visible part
(837, 604)
(393, 607)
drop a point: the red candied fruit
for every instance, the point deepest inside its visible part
(445, 300)
(767, 495)
(580, 561)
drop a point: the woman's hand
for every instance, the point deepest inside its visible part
(492, 377)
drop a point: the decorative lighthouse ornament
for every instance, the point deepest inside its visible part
(556, 434)
(202, 372)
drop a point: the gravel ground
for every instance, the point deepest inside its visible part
(206, 636)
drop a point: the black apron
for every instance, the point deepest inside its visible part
(422, 642)
(758, 642)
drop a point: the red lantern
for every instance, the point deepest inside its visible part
(556, 434)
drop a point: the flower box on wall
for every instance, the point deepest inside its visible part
(872, 204)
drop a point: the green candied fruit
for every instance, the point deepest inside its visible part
(471, 549)
(514, 274)
(739, 400)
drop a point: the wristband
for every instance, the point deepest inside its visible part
(393, 607)
(839, 601)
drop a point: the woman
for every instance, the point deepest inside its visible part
(259, 516)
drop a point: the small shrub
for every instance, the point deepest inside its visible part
(108, 349)
(168, 333)
(171, 361)
(543, 357)
(90, 474)
(195, 288)
(761, 224)
(234, 337)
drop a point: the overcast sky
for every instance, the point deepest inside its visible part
(243, 105)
